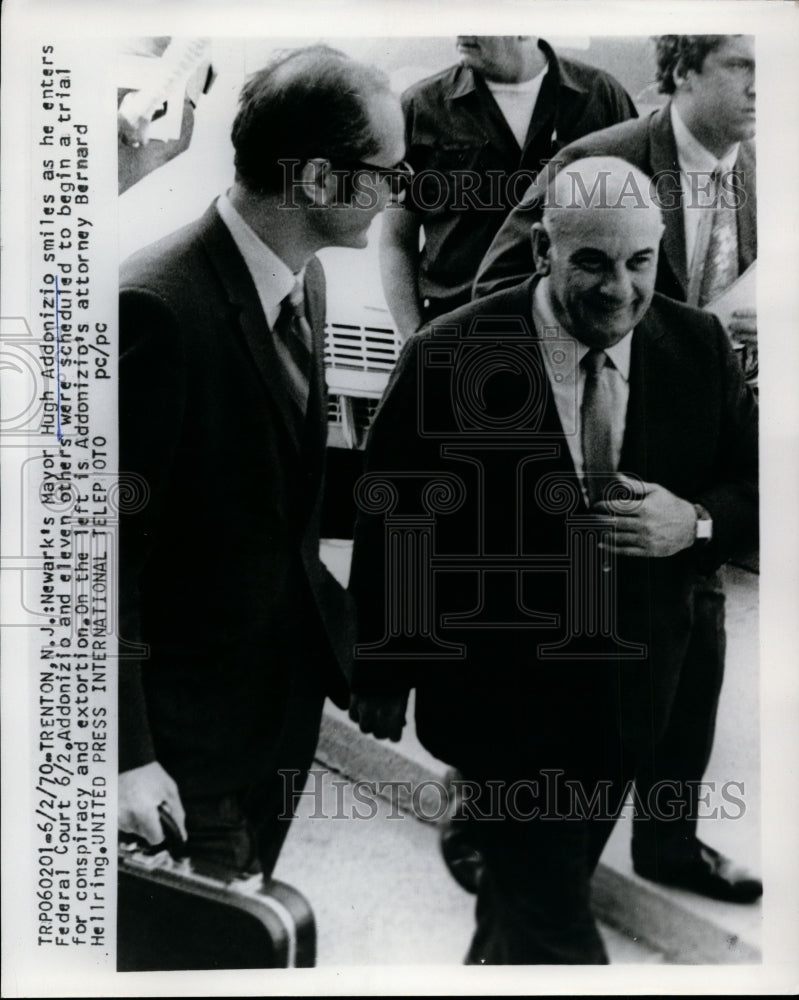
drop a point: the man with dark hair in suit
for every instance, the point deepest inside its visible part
(475, 134)
(222, 413)
(700, 153)
(519, 418)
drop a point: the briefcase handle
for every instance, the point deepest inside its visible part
(173, 841)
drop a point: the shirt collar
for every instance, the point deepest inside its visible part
(534, 83)
(693, 156)
(273, 278)
(544, 318)
(560, 70)
(463, 81)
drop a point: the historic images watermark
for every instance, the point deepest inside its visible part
(463, 189)
(552, 797)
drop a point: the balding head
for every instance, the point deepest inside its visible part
(597, 184)
(597, 248)
(309, 103)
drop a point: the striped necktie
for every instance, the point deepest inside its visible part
(294, 344)
(720, 267)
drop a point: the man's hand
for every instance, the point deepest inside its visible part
(743, 327)
(383, 715)
(660, 525)
(141, 791)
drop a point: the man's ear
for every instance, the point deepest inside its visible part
(317, 183)
(541, 247)
(683, 78)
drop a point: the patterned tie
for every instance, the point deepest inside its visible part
(597, 417)
(721, 260)
(294, 344)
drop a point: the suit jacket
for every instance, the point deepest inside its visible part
(691, 427)
(220, 570)
(649, 144)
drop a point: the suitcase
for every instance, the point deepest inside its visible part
(172, 915)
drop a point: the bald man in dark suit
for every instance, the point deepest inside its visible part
(707, 125)
(518, 418)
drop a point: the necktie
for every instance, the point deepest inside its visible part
(720, 266)
(293, 341)
(597, 417)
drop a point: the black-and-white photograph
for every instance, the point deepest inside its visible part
(402, 606)
(560, 660)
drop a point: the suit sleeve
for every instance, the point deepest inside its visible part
(152, 395)
(732, 500)
(394, 447)
(509, 259)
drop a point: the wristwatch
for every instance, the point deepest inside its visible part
(704, 525)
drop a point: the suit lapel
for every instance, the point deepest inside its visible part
(664, 164)
(634, 445)
(651, 399)
(249, 317)
(315, 308)
(649, 426)
(518, 301)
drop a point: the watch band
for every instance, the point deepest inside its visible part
(704, 525)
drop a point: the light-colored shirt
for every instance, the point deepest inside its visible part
(563, 355)
(696, 166)
(273, 279)
(517, 101)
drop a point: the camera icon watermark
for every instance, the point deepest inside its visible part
(489, 381)
(28, 412)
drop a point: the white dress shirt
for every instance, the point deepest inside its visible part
(273, 278)
(567, 376)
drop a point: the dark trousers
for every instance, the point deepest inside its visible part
(669, 775)
(243, 829)
(533, 901)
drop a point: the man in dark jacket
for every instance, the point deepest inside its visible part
(475, 135)
(547, 643)
(706, 128)
(241, 629)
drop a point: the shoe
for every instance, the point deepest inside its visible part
(705, 872)
(462, 858)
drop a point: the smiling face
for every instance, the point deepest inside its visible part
(601, 265)
(498, 58)
(717, 102)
